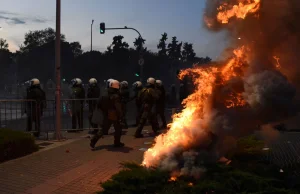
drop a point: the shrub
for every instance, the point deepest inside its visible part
(14, 144)
(245, 175)
(248, 148)
(219, 179)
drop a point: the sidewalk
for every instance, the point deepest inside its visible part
(70, 168)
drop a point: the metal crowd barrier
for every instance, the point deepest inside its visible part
(16, 114)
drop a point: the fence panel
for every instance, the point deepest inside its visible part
(16, 114)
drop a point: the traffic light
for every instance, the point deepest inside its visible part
(137, 72)
(102, 28)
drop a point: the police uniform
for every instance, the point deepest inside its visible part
(173, 95)
(77, 105)
(124, 92)
(160, 105)
(148, 97)
(111, 105)
(182, 92)
(102, 104)
(34, 109)
(93, 92)
(138, 105)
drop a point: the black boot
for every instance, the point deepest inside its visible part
(119, 144)
(138, 135)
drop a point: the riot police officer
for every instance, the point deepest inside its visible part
(173, 98)
(93, 95)
(160, 103)
(124, 92)
(107, 86)
(137, 87)
(77, 103)
(182, 92)
(148, 97)
(36, 103)
(111, 104)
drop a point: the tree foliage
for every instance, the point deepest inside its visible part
(188, 53)
(162, 45)
(38, 38)
(36, 58)
(3, 44)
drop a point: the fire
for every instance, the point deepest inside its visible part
(173, 178)
(277, 62)
(235, 101)
(241, 10)
(180, 134)
(220, 87)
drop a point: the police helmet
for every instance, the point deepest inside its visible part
(150, 81)
(124, 84)
(114, 84)
(34, 82)
(76, 81)
(108, 81)
(92, 81)
(158, 82)
(137, 84)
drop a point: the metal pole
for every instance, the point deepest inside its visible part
(92, 35)
(141, 77)
(57, 65)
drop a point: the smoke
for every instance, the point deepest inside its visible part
(272, 31)
(264, 85)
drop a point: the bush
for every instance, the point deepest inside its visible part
(219, 179)
(248, 148)
(14, 144)
(245, 175)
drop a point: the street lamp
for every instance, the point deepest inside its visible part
(92, 35)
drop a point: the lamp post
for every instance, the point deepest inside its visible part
(92, 35)
(57, 70)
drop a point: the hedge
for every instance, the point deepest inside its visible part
(14, 144)
(246, 174)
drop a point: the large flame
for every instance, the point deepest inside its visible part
(181, 133)
(181, 130)
(241, 91)
(241, 10)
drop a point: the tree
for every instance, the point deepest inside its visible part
(174, 49)
(188, 53)
(3, 44)
(162, 45)
(202, 60)
(37, 55)
(76, 48)
(118, 44)
(39, 37)
(139, 44)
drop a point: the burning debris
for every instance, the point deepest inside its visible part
(252, 87)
